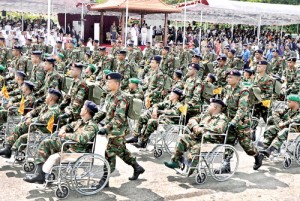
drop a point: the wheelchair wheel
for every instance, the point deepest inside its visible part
(287, 162)
(157, 153)
(62, 192)
(220, 156)
(20, 156)
(172, 135)
(28, 166)
(200, 178)
(88, 171)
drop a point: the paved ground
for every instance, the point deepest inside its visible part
(271, 182)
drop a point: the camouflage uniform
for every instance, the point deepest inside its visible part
(60, 67)
(265, 84)
(124, 68)
(167, 65)
(293, 80)
(41, 114)
(37, 76)
(52, 80)
(215, 124)
(75, 98)
(27, 50)
(277, 65)
(137, 93)
(114, 118)
(185, 59)
(154, 87)
(238, 112)
(209, 56)
(78, 131)
(104, 63)
(289, 53)
(178, 84)
(287, 116)
(19, 64)
(231, 64)
(191, 99)
(3, 55)
(148, 53)
(221, 76)
(131, 56)
(96, 56)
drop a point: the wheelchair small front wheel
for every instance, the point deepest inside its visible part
(157, 153)
(200, 178)
(20, 156)
(62, 192)
(28, 166)
(287, 162)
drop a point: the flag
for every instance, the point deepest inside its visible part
(147, 103)
(5, 92)
(50, 124)
(183, 109)
(266, 103)
(22, 106)
(217, 91)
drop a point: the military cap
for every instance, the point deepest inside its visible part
(218, 101)
(2, 38)
(233, 51)
(37, 52)
(114, 76)
(259, 51)
(50, 60)
(55, 92)
(177, 91)
(294, 97)
(20, 74)
(88, 54)
(29, 84)
(275, 50)
(262, 63)
(294, 59)
(78, 65)
(123, 52)
(17, 47)
(92, 67)
(250, 71)
(2, 68)
(178, 73)
(45, 55)
(194, 65)
(61, 55)
(167, 48)
(106, 71)
(157, 58)
(102, 48)
(113, 40)
(59, 41)
(223, 58)
(130, 45)
(96, 41)
(234, 73)
(91, 106)
(198, 56)
(212, 77)
(134, 80)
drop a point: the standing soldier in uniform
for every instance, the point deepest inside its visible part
(177, 83)
(124, 69)
(231, 62)
(292, 76)
(131, 54)
(27, 49)
(239, 117)
(114, 124)
(148, 53)
(81, 131)
(167, 63)
(96, 55)
(220, 71)
(104, 61)
(37, 74)
(3, 51)
(18, 62)
(134, 90)
(258, 56)
(277, 63)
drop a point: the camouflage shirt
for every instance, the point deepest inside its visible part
(265, 83)
(154, 86)
(37, 76)
(52, 80)
(167, 65)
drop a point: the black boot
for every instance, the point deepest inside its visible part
(6, 151)
(137, 170)
(38, 177)
(258, 161)
(225, 169)
(267, 152)
(133, 139)
(141, 144)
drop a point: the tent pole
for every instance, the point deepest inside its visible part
(126, 23)
(82, 21)
(166, 29)
(183, 41)
(200, 31)
(48, 23)
(258, 30)
(22, 17)
(65, 21)
(101, 27)
(232, 27)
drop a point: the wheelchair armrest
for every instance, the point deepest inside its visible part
(163, 116)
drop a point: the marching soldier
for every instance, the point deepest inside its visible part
(95, 54)
(196, 58)
(27, 49)
(209, 55)
(131, 54)
(38, 73)
(289, 53)
(231, 62)
(104, 61)
(124, 68)
(248, 76)
(114, 125)
(292, 76)
(81, 131)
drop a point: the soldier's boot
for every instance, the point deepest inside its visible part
(258, 161)
(133, 139)
(225, 168)
(172, 164)
(12, 157)
(267, 152)
(6, 151)
(140, 144)
(137, 170)
(38, 177)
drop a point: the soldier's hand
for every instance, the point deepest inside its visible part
(102, 131)
(28, 121)
(281, 125)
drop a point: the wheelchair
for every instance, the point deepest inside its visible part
(78, 171)
(211, 158)
(290, 149)
(165, 137)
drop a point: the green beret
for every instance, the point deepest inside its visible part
(92, 67)
(45, 55)
(134, 80)
(294, 97)
(106, 71)
(61, 55)
(2, 68)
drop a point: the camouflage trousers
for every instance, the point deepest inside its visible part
(117, 147)
(281, 137)
(270, 134)
(242, 134)
(46, 149)
(3, 115)
(141, 122)
(23, 140)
